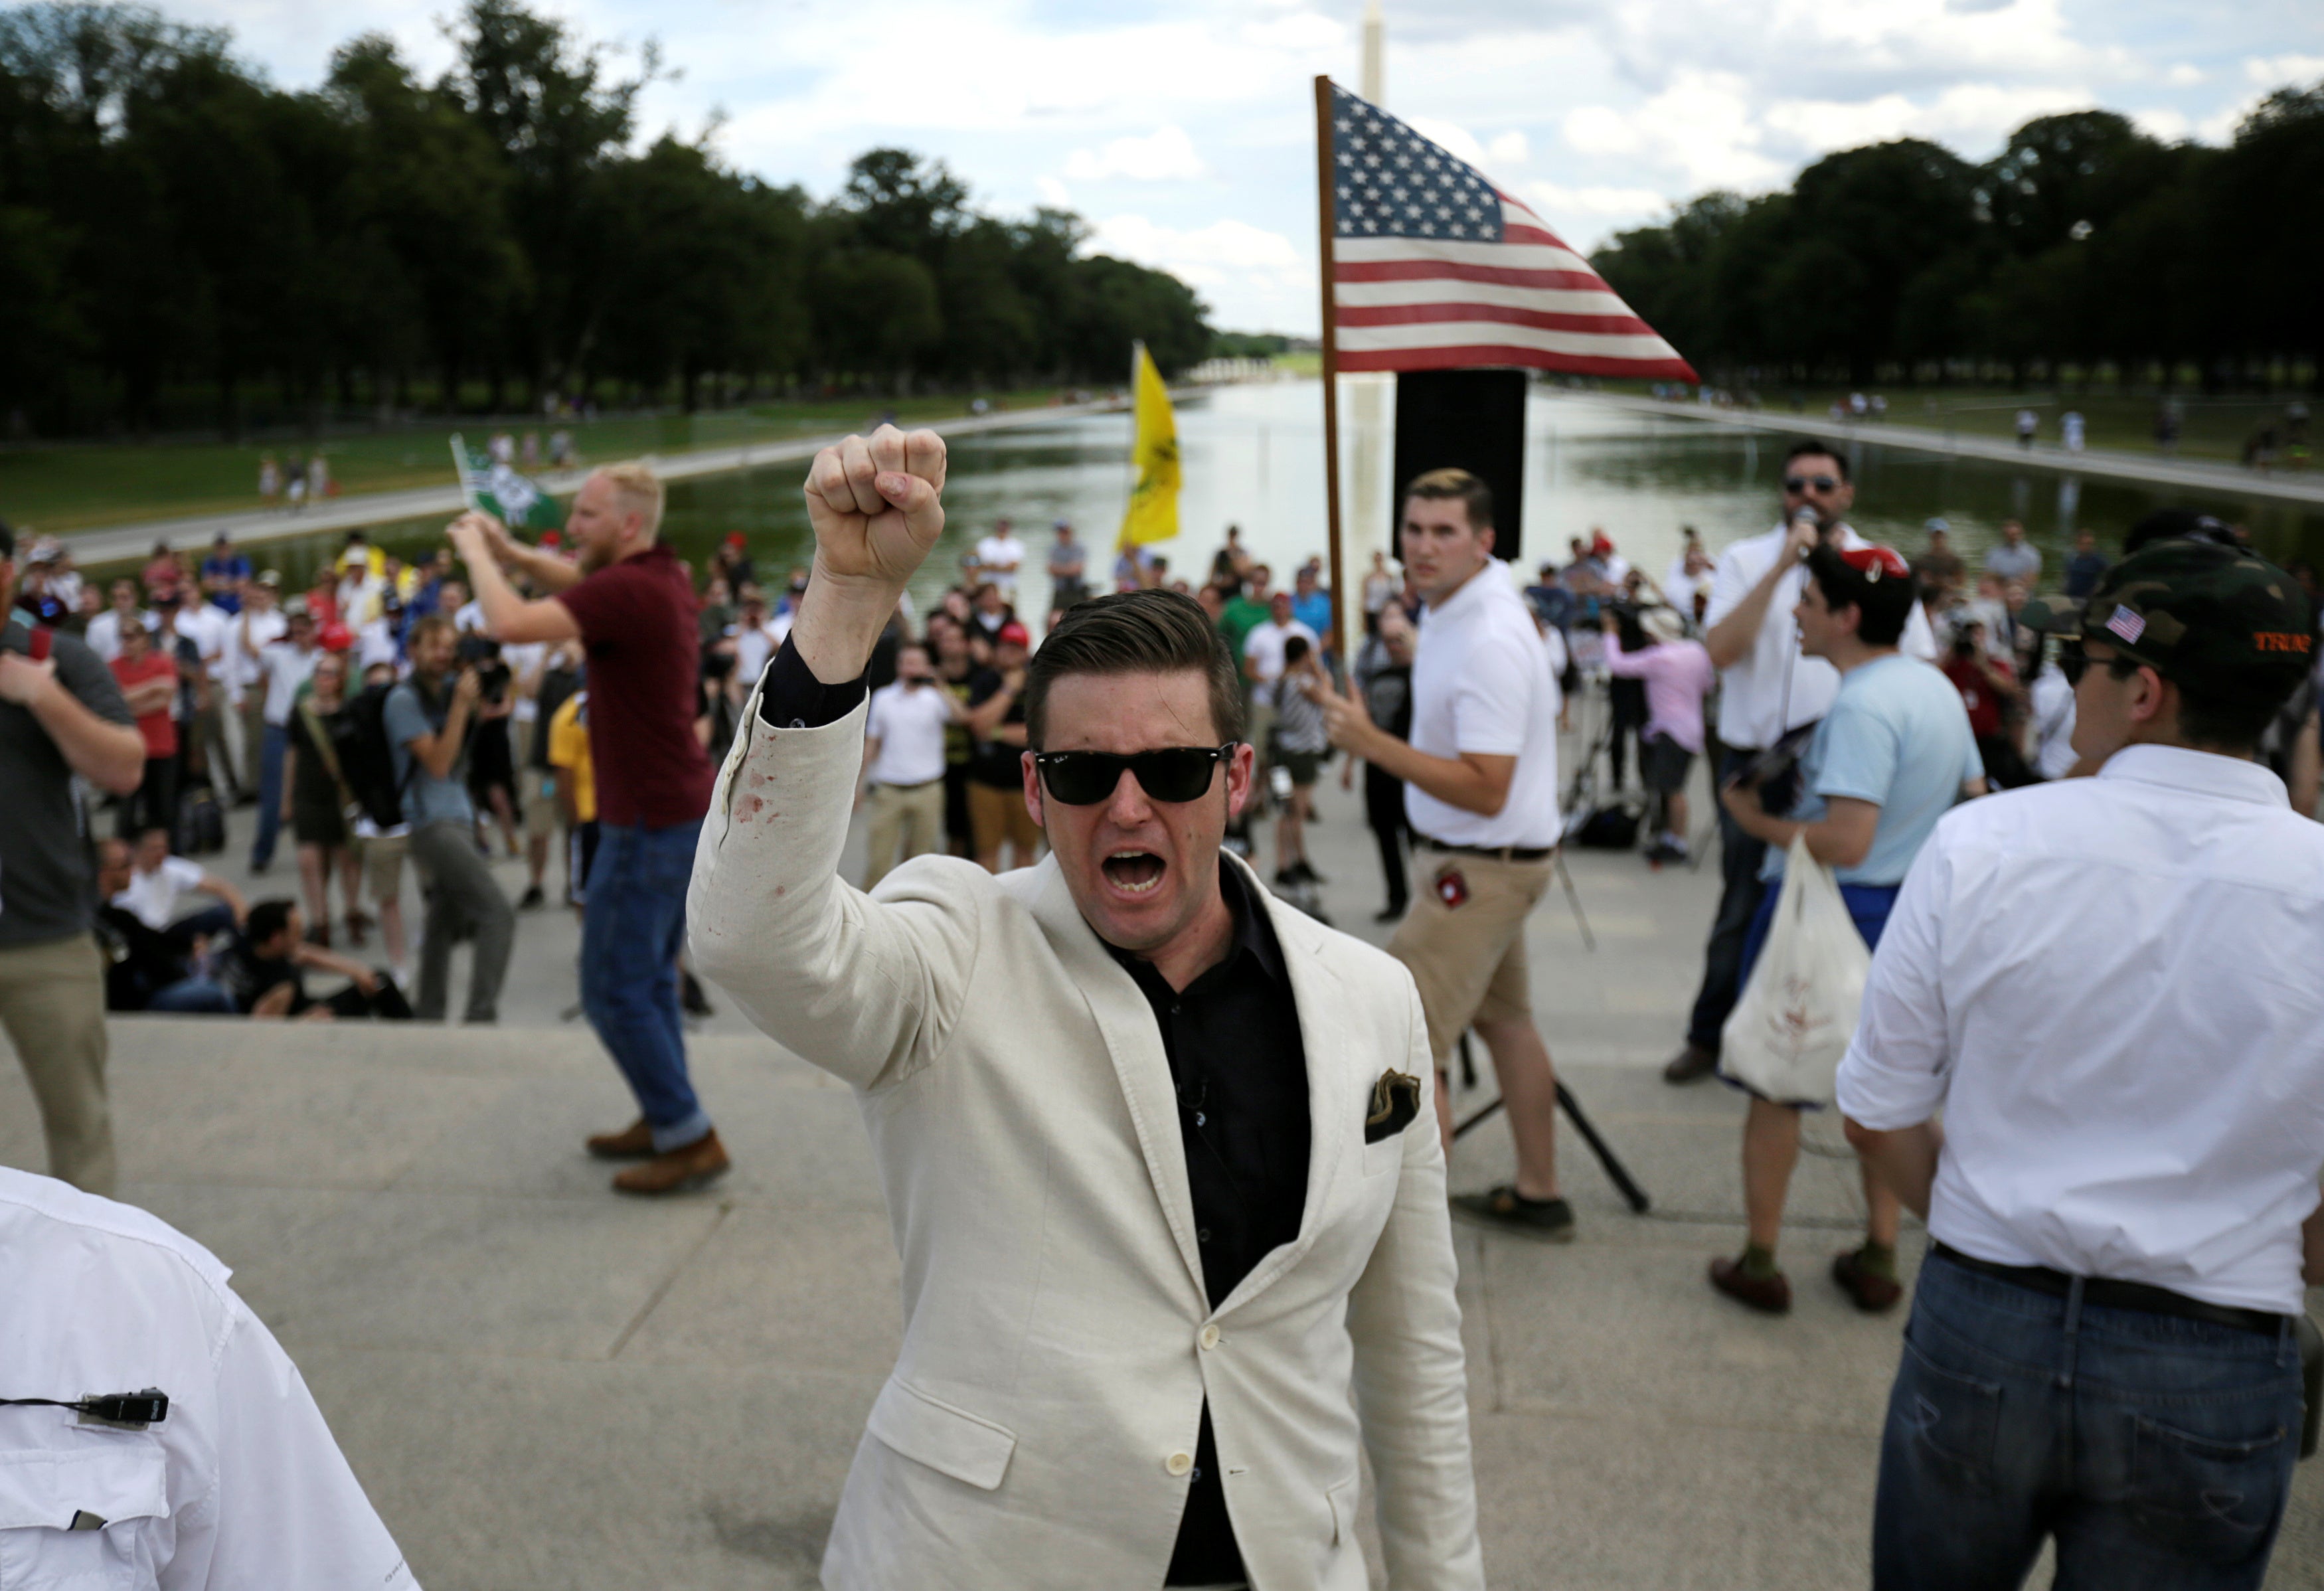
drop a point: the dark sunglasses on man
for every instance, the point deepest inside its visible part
(1173, 774)
(1798, 485)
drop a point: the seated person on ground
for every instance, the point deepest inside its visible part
(158, 882)
(263, 973)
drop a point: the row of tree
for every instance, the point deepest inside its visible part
(180, 239)
(2085, 243)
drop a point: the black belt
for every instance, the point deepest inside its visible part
(2118, 1295)
(1498, 853)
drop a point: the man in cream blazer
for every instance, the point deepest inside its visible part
(1063, 1363)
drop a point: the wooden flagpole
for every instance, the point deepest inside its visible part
(1324, 225)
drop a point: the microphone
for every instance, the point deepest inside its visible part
(1806, 510)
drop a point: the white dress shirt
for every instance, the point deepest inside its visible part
(285, 667)
(1751, 693)
(2109, 987)
(1482, 683)
(244, 671)
(239, 1484)
(910, 724)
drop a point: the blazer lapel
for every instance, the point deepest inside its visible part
(1135, 1046)
(1332, 1102)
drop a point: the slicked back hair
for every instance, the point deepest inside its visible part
(1135, 632)
(1475, 496)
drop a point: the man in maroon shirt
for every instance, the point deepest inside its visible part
(627, 599)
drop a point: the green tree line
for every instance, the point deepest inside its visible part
(2084, 244)
(182, 243)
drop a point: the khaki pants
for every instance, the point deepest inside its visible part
(1463, 938)
(52, 1003)
(911, 814)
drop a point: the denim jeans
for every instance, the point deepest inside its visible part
(269, 794)
(630, 934)
(2157, 1451)
(193, 994)
(1739, 891)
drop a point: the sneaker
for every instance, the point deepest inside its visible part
(1691, 1064)
(532, 900)
(1770, 1294)
(1504, 1209)
(1875, 1295)
(680, 1170)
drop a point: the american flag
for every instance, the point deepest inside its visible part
(1434, 268)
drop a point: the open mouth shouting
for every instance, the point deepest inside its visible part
(1134, 872)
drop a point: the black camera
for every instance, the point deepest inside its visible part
(483, 654)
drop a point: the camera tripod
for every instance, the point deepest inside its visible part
(1615, 1172)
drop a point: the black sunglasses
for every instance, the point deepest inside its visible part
(1083, 779)
(1797, 484)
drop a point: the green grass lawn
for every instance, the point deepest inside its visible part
(83, 486)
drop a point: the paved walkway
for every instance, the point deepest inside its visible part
(546, 1386)
(2200, 474)
(251, 526)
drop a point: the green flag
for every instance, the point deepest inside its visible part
(517, 500)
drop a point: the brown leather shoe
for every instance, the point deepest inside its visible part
(1873, 1294)
(684, 1168)
(1692, 1063)
(632, 1143)
(1770, 1295)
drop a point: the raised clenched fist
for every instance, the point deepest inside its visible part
(875, 505)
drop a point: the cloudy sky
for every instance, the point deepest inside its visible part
(1184, 134)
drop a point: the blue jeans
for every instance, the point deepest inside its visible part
(193, 994)
(2157, 1451)
(630, 934)
(269, 794)
(1739, 891)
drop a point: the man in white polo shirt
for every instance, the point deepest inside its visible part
(904, 758)
(1766, 689)
(2108, 987)
(1481, 778)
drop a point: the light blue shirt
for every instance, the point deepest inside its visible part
(1898, 736)
(1314, 610)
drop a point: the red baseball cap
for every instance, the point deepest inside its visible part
(552, 537)
(1875, 563)
(1013, 634)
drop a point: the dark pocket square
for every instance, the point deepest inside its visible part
(1396, 1100)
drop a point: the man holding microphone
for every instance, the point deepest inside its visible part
(1766, 690)
(2107, 987)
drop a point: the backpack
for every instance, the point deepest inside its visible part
(366, 759)
(200, 825)
(1609, 828)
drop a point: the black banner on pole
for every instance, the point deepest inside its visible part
(1472, 420)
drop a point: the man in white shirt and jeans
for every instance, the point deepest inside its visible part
(2107, 986)
(1481, 791)
(904, 757)
(1767, 689)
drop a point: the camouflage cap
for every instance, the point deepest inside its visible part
(2202, 614)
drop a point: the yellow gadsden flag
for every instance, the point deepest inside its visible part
(1153, 514)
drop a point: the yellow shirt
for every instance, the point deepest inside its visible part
(568, 748)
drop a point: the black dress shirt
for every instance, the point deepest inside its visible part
(1232, 1038)
(1240, 1070)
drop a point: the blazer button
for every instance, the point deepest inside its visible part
(1210, 1337)
(1179, 1463)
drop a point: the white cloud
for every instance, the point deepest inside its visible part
(1053, 193)
(1552, 199)
(1204, 255)
(1509, 149)
(2185, 75)
(2170, 125)
(2275, 71)
(1164, 155)
(1702, 127)
(1304, 32)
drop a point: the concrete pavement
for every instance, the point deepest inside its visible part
(543, 1385)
